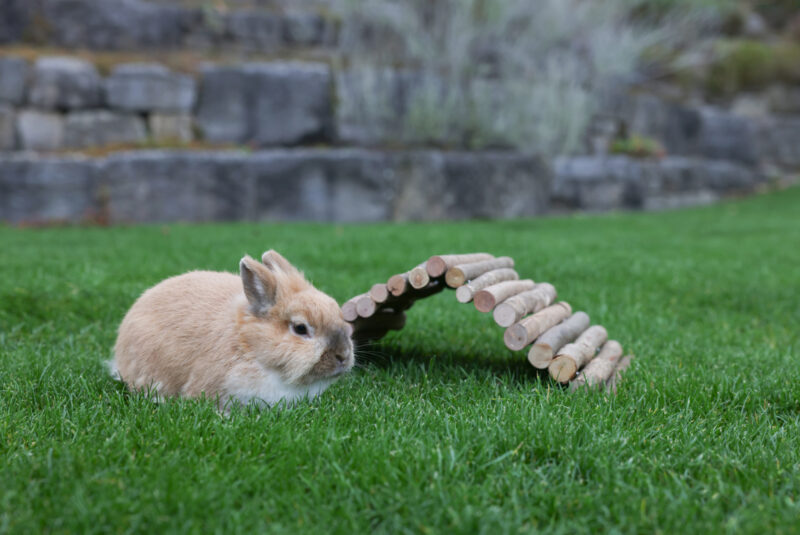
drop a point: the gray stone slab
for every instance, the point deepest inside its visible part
(370, 105)
(291, 103)
(255, 30)
(171, 127)
(100, 128)
(37, 190)
(159, 186)
(306, 29)
(609, 183)
(224, 106)
(62, 83)
(117, 25)
(266, 104)
(144, 87)
(320, 185)
(784, 99)
(778, 141)
(435, 185)
(8, 128)
(725, 136)
(40, 130)
(13, 80)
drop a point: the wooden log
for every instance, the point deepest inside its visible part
(438, 265)
(379, 292)
(514, 308)
(458, 275)
(398, 284)
(349, 311)
(543, 351)
(407, 300)
(490, 297)
(526, 330)
(622, 365)
(572, 357)
(465, 293)
(418, 277)
(366, 306)
(599, 370)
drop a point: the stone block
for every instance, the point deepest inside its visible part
(40, 130)
(433, 185)
(370, 105)
(266, 104)
(292, 103)
(306, 30)
(40, 190)
(223, 111)
(725, 136)
(15, 18)
(142, 87)
(100, 128)
(162, 186)
(608, 183)
(63, 83)
(13, 80)
(117, 25)
(171, 127)
(255, 30)
(784, 99)
(321, 185)
(8, 128)
(778, 142)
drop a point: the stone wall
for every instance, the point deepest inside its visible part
(297, 184)
(312, 155)
(598, 183)
(61, 103)
(346, 185)
(137, 24)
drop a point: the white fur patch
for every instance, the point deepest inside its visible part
(111, 365)
(251, 383)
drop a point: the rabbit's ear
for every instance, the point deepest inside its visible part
(274, 261)
(260, 285)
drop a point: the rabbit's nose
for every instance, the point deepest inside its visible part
(340, 358)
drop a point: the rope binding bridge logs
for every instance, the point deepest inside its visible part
(554, 336)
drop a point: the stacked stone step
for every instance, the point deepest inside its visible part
(555, 338)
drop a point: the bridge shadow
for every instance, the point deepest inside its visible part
(513, 367)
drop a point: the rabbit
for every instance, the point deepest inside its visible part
(266, 336)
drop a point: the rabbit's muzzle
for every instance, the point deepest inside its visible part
(335, 360)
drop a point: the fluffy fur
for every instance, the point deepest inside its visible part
(265, 336)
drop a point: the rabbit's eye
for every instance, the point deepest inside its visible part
(300, 329)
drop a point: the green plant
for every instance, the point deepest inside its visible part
(746, 65)
(638, 146)
(482, 73)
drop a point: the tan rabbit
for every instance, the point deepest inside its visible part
(265, 336)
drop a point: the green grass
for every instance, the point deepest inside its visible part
(443, 430)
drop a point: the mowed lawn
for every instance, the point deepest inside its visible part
(440, 429)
